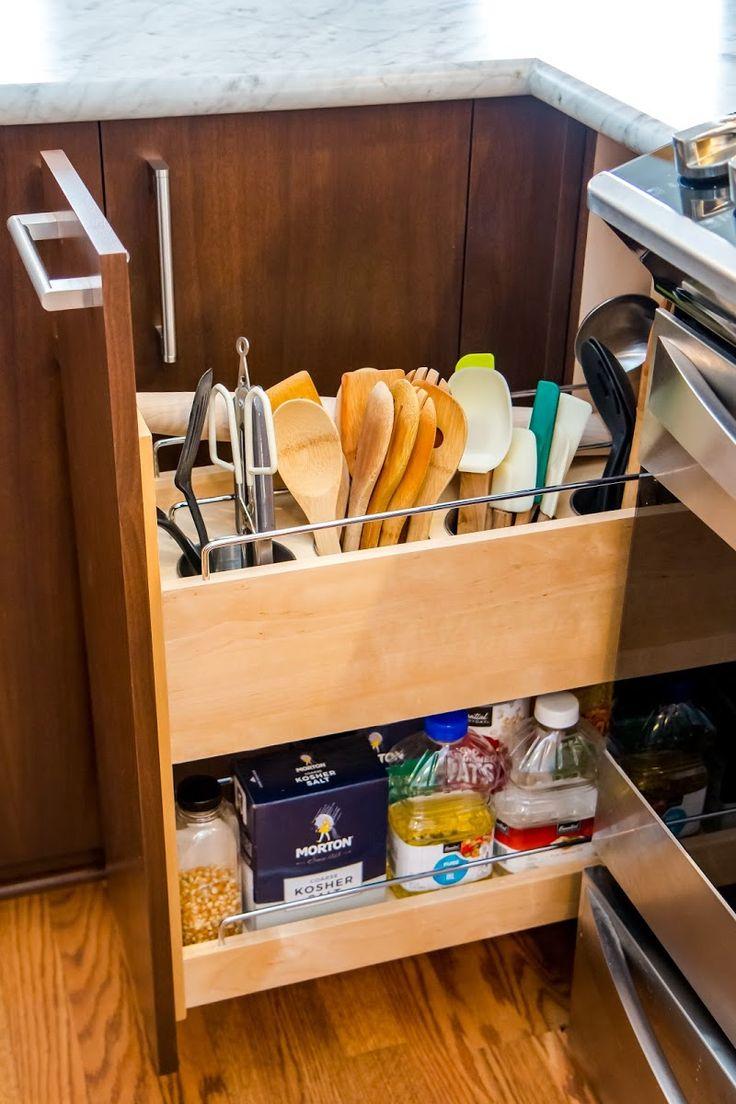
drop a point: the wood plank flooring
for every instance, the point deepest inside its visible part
(479, 1024)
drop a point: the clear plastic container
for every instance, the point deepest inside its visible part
(440, 817)
(208, 854)
(552, 793)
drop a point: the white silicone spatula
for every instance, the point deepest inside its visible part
(516, 472)
(572, 418)
(484, 396)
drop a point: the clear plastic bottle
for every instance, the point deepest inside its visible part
(441, 781)
(552, 792)
(208, 853)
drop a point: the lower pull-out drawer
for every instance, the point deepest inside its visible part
(685, 910)
(392, 928)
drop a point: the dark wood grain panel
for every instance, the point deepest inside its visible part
(525, 180)
(333, 238)
(95, 352)
(48, 814)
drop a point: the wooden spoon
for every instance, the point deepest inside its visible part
(298, 386)
(416, 470)
(403, 436)
(372, 448)
(452, 432)
(310, 464)
(354, 391)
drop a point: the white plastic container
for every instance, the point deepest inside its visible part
(552, 793)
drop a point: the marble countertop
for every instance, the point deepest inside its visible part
(634, 70)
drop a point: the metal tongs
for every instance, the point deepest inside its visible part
(253, 444)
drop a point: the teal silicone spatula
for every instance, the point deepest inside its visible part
(542, 425)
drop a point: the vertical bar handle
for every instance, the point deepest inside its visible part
(167, 329)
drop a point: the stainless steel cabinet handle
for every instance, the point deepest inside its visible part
(687, 406)
(63, 294)
(167, 329)
(623, 982)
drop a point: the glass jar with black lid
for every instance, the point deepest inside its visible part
(208, 857)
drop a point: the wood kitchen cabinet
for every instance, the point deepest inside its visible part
(394, 236)
(48, 815)
(167, 655)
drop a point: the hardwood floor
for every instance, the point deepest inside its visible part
(480, 1023)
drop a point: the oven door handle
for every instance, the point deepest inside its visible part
(688, 407)
(618, 968)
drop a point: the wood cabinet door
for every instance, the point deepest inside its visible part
(95, 353)
(524, 252)
(332, 239)
(48, 814)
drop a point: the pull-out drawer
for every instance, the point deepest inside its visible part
(681, 905)
(327, 644)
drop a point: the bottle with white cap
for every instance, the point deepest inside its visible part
(552, 792)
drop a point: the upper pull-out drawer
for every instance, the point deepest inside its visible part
(299, 649)
(671, 891)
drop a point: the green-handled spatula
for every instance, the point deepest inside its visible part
(542, 425)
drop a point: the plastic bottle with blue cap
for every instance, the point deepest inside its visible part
(440, 815)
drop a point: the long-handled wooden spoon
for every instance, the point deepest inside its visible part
(310, 464)
(403, 436)
(411, 482)
(353, 396)
(452, 433)
(373, 443)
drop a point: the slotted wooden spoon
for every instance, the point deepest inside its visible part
(452, 433)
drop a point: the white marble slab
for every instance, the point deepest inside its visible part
(633, 70)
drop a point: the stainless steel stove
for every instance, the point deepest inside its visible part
(654, 996)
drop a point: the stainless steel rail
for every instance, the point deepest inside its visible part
(294, 530)
(352, 891)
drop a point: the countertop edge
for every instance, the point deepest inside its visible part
(108, 99)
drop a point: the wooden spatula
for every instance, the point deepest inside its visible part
(373, 445)
(403, 436)
(452, 434)
(298, 386)
(310, 464)
(416, 470)
(354, 391)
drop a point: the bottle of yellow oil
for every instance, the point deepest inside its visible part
(440, 816)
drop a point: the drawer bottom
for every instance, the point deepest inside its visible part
(393, 928)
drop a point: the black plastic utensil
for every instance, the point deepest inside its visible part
(618, 414)
(183, 476)
(191, 554)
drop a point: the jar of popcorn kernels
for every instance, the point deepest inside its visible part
(207, 851)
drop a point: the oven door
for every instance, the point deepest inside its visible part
(689, 438)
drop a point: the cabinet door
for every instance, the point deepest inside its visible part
(48, 815)
(95, 353)
(333, 239)
(526, 214)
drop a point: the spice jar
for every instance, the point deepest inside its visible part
(207, 850)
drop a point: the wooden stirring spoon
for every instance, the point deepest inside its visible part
(403, 436)
(452, 433)
(406, 493)
(375, 435)
(353, 396)
(310, 464)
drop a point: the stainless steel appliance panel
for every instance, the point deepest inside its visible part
(638, 1031)
(684, 910)
(689, 438)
